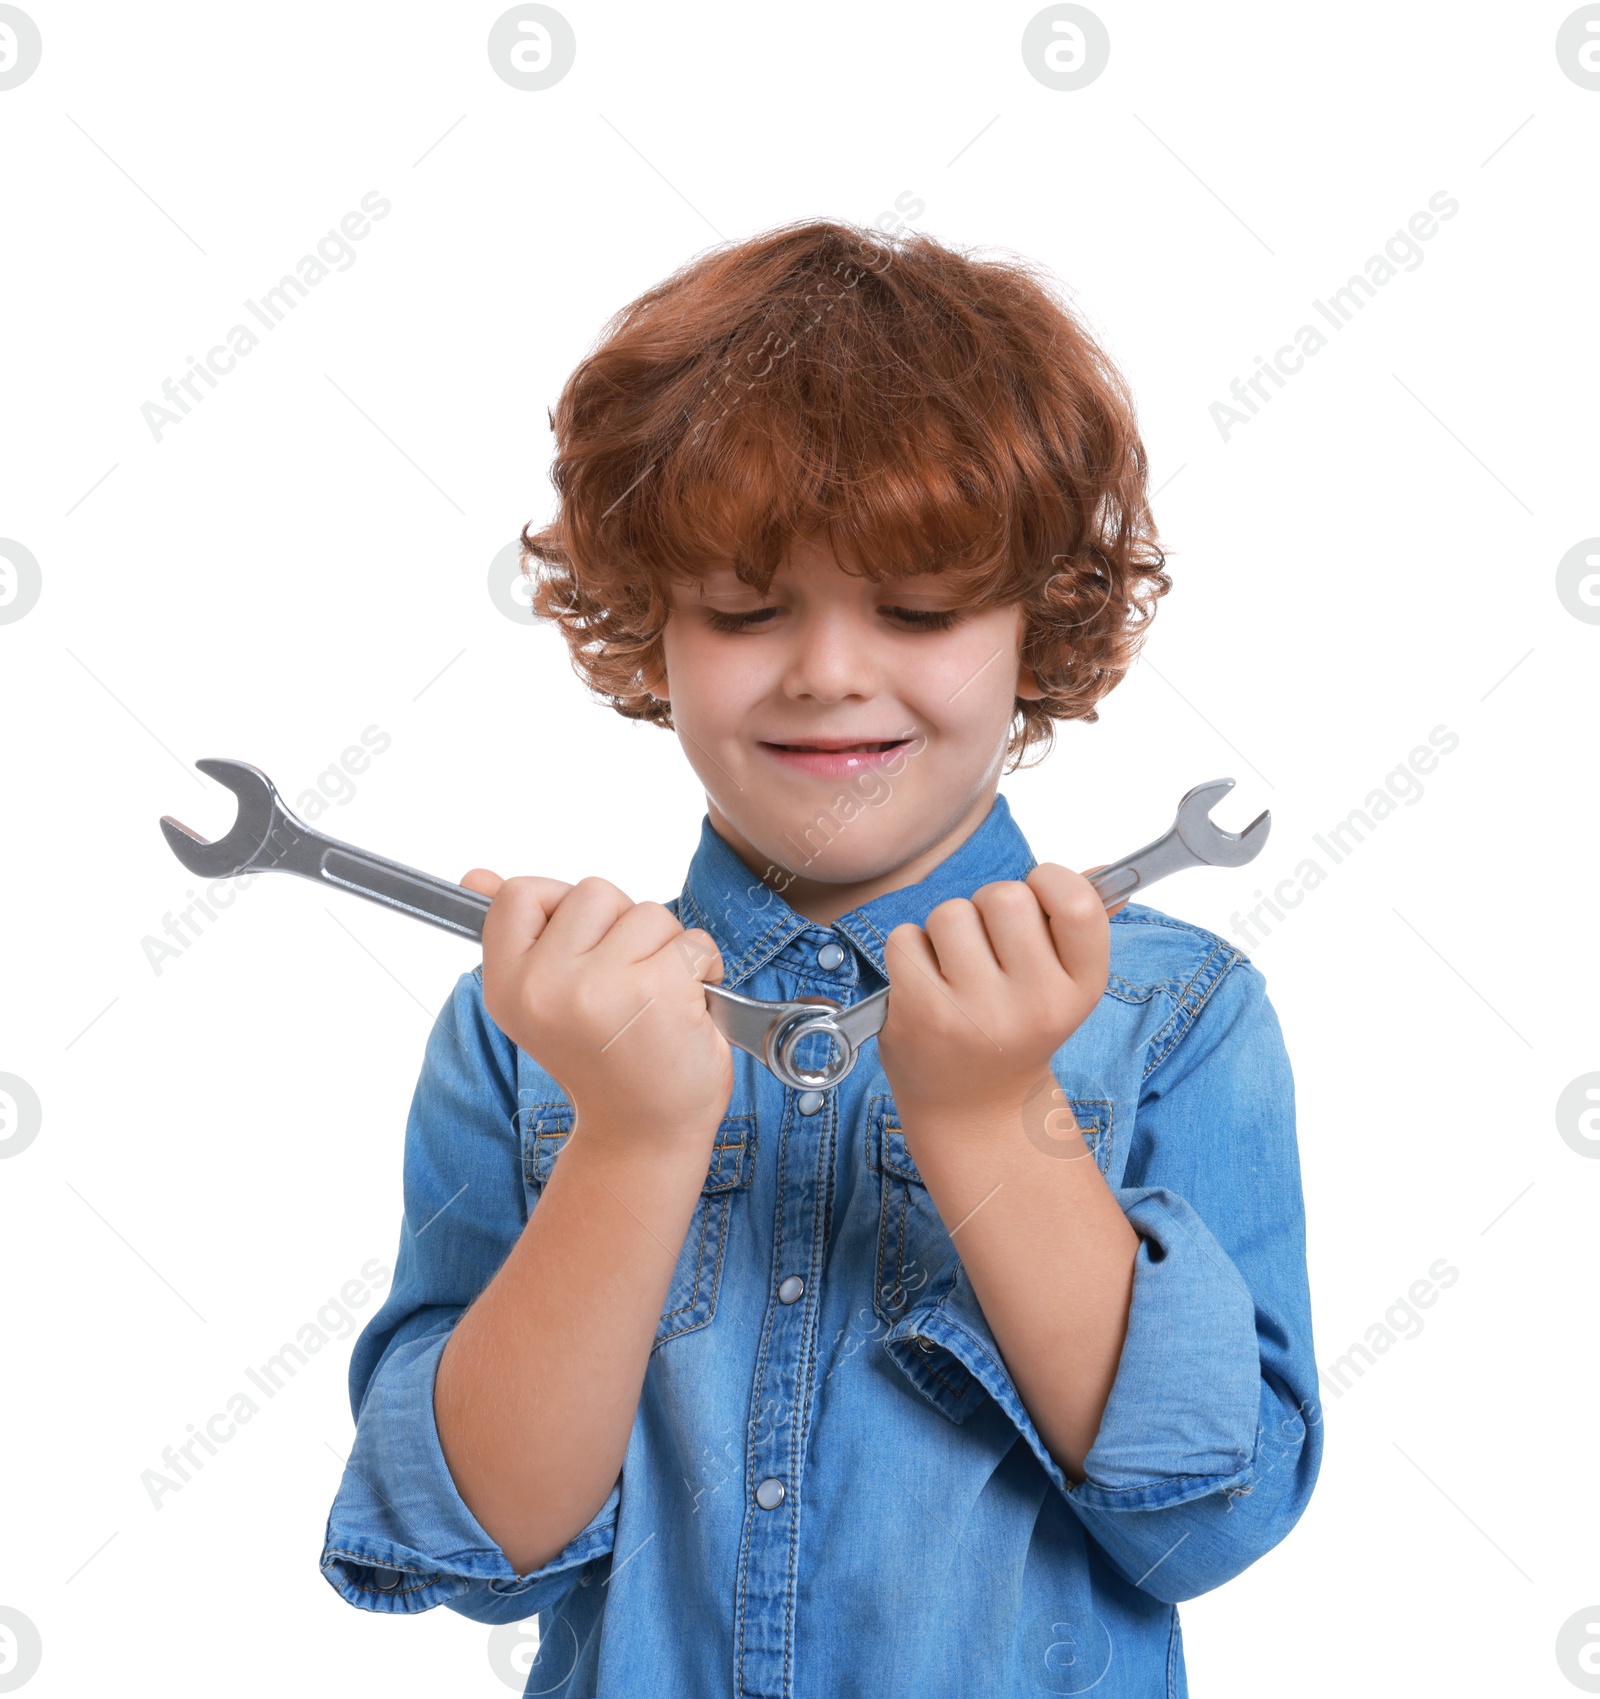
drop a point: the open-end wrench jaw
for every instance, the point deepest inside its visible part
(238, 849)
(1206, 840)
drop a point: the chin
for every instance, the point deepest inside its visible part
(862, 849)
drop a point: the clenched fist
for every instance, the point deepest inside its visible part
(986, 992)
(608, 995)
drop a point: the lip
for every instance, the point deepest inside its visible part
(836, 757)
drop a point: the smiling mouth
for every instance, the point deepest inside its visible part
(835, 746)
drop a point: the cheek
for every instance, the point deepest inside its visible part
(710, 683)
(969, 685)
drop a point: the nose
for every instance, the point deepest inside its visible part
(833, 655)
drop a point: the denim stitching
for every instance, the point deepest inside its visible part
(1187, 1013)
(713, 1290)
(760, 1382)
(927, 1364)
(888, 1240)
(806, 1373)
(879, 1125)
(745, 966)
(700, 1257)
(423, 1582)
(1101, 1143)
(716, 1277)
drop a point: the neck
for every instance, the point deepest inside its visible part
(824, 900)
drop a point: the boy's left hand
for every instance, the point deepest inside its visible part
(987, 992)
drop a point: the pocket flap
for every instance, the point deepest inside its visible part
(544, 1127)
(729, 1165)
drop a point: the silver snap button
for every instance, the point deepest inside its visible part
(791, 1289)
(923, 1344)
(386, 1580)
(810, 1102)
(829, 957)
(769, 1495)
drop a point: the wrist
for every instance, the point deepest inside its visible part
(1038, 1112)
(640, 1133)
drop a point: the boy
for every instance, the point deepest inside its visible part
(951, 1379)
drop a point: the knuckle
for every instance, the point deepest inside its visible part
(1084, 904)
(953, 911)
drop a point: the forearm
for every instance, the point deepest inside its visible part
(538, 1385)
(1050, 1255)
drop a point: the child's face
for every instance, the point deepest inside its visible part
(843, 730)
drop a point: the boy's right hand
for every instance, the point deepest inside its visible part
(608, 995)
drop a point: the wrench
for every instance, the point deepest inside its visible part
(1192, 840)
(266, 836)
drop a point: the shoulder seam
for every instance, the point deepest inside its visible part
(1191, 1000)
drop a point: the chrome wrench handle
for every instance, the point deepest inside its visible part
(266, 836)
(1164, 855)
(402, 888)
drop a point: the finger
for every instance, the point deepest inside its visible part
(1095, 869)
(908, 946)
(959, 942)
(639, 933)
(520, 911)
(1018, 929)
(1078, 926)
(586, 915)
(697, 950)
(481, 880)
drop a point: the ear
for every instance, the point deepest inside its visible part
(1028, 687)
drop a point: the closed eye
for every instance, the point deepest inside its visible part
(918, 619)
(926, 619)
(719, 621)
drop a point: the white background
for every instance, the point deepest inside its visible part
(306, 555)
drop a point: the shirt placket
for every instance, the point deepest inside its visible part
(782, 1396)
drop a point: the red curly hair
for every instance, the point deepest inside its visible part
(919, 409)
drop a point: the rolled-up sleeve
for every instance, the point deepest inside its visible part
(400, 1538)
(1211, 1439)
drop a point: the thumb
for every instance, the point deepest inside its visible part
(481, 880)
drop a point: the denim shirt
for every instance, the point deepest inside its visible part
(831, 1486)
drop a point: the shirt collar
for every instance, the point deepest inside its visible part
(751, 922)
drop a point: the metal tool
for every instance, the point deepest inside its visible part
(1192, 840)
(266, 836)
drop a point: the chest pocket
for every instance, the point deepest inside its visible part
(914, 1249)
(692, 1297)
